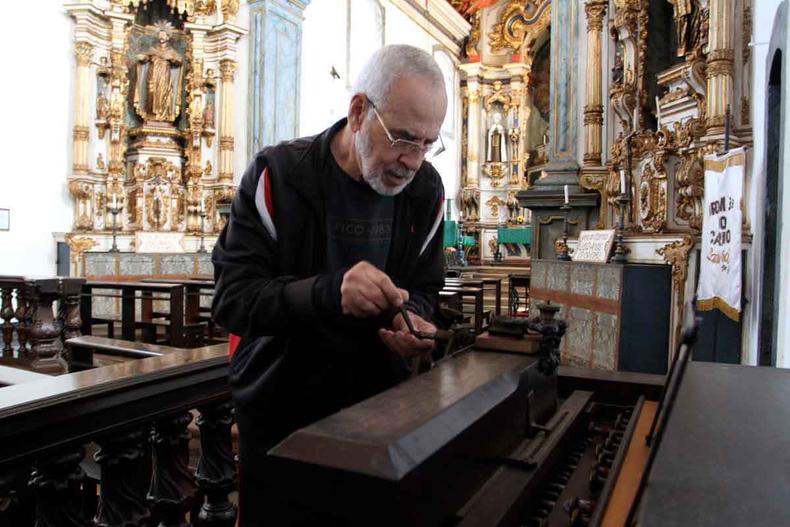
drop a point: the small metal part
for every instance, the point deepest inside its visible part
(439, 335)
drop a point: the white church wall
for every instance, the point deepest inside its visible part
(764, 13)
(37, 94)
(328, 42)
(240, 99)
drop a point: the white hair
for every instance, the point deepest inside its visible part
(389, 64)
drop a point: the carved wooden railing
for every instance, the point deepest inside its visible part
(134, 417)
(33, 330)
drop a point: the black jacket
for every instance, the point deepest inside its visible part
(299, 358)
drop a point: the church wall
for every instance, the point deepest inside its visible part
(764, 18)
(37, 93)
(328, 43)
(241, 99)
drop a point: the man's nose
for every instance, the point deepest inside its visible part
(412, 160)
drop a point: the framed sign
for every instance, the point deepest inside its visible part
(5, 219)
(594, 246)
(158, 242)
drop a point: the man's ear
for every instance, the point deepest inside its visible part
(357, 110)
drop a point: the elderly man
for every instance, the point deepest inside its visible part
(328, 236)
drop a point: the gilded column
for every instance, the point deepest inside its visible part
(593, 109)
(84, 52)
(226, 141)
(720, 61)
(473, 155)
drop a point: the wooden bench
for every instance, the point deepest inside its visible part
(81, 350)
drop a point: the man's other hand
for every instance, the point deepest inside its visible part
(366, 291)
(402, 342)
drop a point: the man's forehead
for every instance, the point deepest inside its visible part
(417, 108)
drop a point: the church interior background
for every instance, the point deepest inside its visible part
(131, 118)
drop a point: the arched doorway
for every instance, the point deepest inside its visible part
(772, 231)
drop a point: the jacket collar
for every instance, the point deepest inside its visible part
(310, 181)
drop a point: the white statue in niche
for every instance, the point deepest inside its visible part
(497, 140)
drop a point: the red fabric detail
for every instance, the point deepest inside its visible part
(267, 192)
(233, 343)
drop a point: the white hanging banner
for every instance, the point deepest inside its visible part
(720, 262)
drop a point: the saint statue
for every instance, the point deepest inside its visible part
(155, 96)
(497, 140)
(208, 116)
(683, 10)
(102, 107)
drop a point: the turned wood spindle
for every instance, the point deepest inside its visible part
(172, 484)
(216, 470)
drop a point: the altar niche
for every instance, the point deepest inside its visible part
(154, 78)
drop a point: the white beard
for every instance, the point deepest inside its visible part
(375, 178)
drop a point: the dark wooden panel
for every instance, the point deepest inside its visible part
(724, 456)
(411, 455)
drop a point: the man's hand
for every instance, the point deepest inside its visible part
(366, 291)
(399, 340)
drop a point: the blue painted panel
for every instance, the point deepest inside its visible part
(564, 37)
(275, 66)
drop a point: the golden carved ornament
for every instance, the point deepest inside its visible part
(690, 189)
(520, 22)
(595, 10)
(745, 111)
(720, 62)
(473, 95)
(229, 9)
(492, 244)
(470, 204)
(496, 172)
(83, 51)
(205, 7)
(498, 96)
(78, 245)
(227, 68)
(188, 7)
(653, 196)
(676, 254)
(747, 33)
(474, 36)
(493, 204)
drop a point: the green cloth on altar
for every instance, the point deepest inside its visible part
(450, 233)
(514, 235)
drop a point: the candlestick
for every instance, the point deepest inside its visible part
(566, 195)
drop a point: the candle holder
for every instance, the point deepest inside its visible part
(619, 257)
(114, 210)
(202, 248)
(562, 248)
(622, 200)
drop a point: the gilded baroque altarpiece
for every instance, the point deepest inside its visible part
(656, 81)
(153, 119)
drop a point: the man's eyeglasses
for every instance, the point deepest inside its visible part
(428, 150)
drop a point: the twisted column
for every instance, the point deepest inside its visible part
(593, 109)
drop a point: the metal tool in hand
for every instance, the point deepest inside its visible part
(439, 335)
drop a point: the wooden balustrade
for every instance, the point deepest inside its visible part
(134, 416)
(33, 331)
